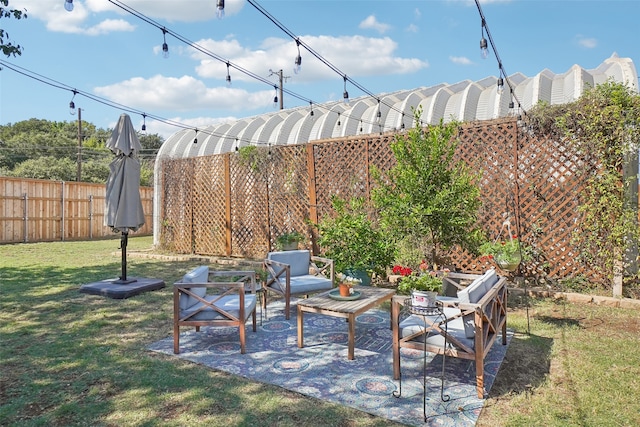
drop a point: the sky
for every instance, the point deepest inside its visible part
(113, 58)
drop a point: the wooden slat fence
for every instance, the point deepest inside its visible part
(33, 210)
(219, 206)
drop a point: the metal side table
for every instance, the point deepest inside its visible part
(430, 317)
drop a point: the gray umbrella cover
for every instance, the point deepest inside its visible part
(123, 204)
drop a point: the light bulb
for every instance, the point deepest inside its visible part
(220, 9)
(500, 85)
(72, 108)
(345, 97)
(165, 50)
(484, 51)
(298, 64)
(68, 5)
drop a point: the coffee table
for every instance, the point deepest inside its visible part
(323, 304)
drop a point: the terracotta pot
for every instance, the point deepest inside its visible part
(344, 290)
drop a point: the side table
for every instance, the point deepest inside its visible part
(430, 317)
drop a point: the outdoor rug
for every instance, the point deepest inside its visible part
(321, 369)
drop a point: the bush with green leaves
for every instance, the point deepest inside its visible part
(352, 239)
(429, 199)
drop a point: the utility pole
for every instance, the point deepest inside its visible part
(281, 78)
(79, 172)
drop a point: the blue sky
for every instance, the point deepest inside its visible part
(102, 50)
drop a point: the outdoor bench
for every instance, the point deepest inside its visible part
(472, 321)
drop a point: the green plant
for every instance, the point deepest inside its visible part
(420, 282)
(510, 250)
(288, 238)
(603, 126)
(353, 240)
(429, 199)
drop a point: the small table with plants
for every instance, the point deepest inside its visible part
(347, 308)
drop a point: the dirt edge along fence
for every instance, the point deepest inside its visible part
(220, 206)
(33, 210)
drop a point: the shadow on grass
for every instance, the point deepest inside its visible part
(525, 366)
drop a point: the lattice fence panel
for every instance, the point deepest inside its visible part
(177, 221)
(488, 149)
(341, 170)
(209, 220)
(276, 198)
(380, 154)
(289, 192)
(249, 200)
(552, 179)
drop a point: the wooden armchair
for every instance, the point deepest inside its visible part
(472, 322)
(296, 273)
(214, 298)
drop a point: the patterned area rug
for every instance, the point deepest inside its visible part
(321, 369)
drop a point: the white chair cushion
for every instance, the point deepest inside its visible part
(298, 260)
(197, 275)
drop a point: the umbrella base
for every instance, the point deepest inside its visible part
(123, 281)
(112, 289)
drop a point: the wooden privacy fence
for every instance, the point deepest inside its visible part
(223, 205)
(33, 210)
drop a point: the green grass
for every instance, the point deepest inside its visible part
(71, 359)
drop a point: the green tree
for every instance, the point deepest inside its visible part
(46, 167)
(58, 142)
(8, 48)
(429, 200)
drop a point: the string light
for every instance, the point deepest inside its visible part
(195, 137)
(228, 76)
(144, 122)
(220, 9)
(311, 107)
(275, 98)
(484, 51)
(165, 46)
(68, 5)
(345, 94)
(502, 77)
(72, 105)
(298, 60)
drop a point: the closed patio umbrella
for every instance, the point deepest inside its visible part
(123, 204)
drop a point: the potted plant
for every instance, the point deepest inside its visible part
(423, 286)
(346, 284)
(353, 240)
(506, 253)
(289, 241)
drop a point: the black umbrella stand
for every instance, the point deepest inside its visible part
(124, 239)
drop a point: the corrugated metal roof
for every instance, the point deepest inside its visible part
(463, 101)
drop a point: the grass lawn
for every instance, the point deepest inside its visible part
(70, 359)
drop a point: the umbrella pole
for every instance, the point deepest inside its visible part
(124, 239)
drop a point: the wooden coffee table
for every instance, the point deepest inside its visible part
(323, 304)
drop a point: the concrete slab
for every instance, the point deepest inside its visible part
(113, 288)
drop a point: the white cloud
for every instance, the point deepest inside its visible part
(460, 60)
(185, 93)
(166, 130)
(361, 56)
(412, 28)
(587, 42)
(372, 23)
(57, 19)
